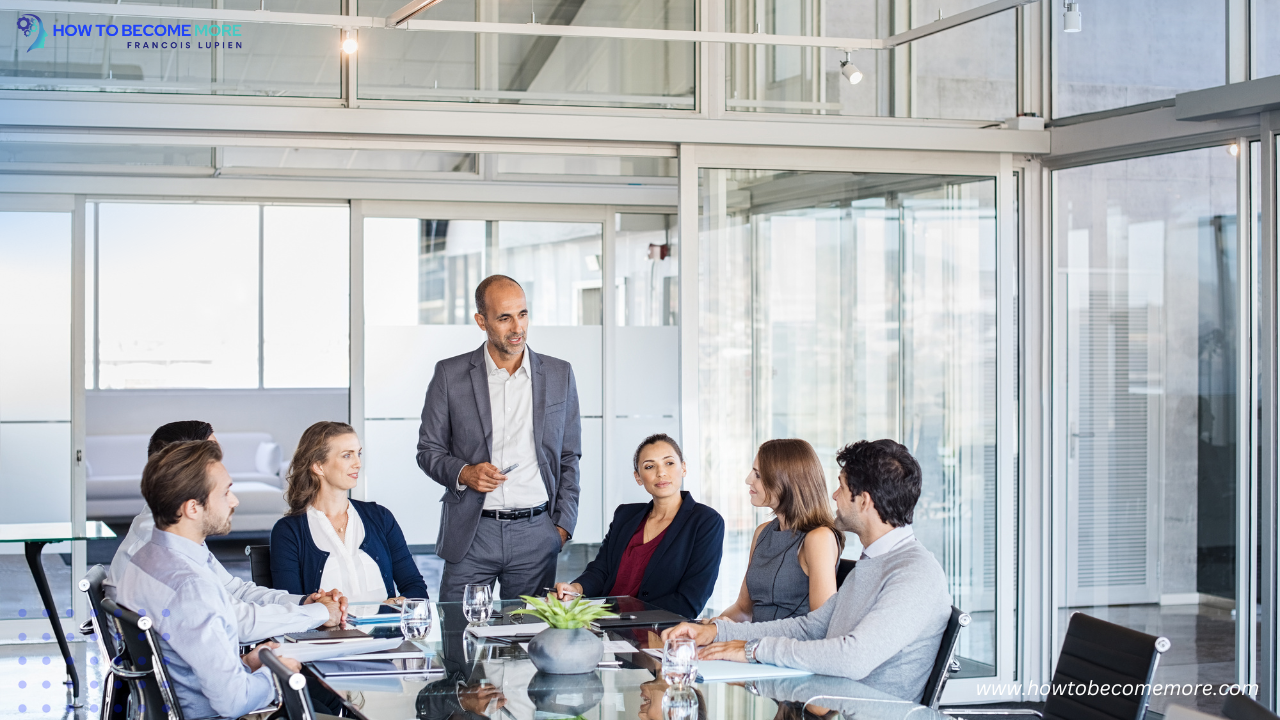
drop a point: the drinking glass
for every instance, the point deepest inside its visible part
(680, 661)
(477, 603)
(415, 619)
(680, 702)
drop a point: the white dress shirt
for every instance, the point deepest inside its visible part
(889, 541)
(260, 612)
(511, 409)
(348, 568)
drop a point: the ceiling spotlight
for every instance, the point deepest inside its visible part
(1071, 18)
(849, 70)
(1234, 149)
(349, 44)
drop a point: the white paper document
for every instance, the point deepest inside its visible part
(729, 671)
(325, 650)
(489, 631)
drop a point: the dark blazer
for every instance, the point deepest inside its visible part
(682, 571)
(297, 564)
(457, 430)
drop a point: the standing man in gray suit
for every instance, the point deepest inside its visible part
(502, 407)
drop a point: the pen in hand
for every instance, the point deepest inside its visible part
(508, 469)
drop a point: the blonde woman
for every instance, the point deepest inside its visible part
(792, 570)
(328, 540)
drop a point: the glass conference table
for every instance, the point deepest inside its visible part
(474, 678)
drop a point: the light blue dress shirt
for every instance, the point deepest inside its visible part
(172, 581)
(261, 612)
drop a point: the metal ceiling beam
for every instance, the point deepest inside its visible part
(956, 20)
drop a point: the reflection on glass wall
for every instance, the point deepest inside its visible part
(1147, 260)
(840, 307)
(1138, 51)
(1264, 50)
(968, 72)
(420, 281)
(253, 59)
(396, 64)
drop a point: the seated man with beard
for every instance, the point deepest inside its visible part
(172, 579)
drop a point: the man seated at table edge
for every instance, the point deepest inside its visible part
(261, 612)
(885, 624)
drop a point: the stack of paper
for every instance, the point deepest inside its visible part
(492, 631)
(312, 651)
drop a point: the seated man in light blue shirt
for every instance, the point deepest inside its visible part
(172, 580)
(260, 612)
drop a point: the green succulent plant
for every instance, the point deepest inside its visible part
(577, 614)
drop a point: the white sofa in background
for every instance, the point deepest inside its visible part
(113, 477)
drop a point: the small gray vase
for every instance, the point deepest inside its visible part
(566, 652)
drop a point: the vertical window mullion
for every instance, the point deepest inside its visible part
(261, 313)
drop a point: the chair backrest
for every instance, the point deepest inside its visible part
(1178, 712)
(293, 687)
(1099, 652)
(945, 663)
(115, 693)
(843, 568)
(259, 564)
(148, 679)
(1243, 707)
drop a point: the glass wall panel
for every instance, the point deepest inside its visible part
(966, 73)
(117, 53)
(1264, 50)
(838, 307)
(21, 156)
(420, 280)
(1147, 261)
(178, 296)
(305, 297)
(1138, 51)
(460, 67)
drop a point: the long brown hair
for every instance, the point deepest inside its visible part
(313, 449)
(792, 475)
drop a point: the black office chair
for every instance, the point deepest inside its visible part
(1243, 707)
(259, 564)
(945, 663)
(115, 688)
(295, 699)
(1101, 652)
(148, 680)
(842, 571)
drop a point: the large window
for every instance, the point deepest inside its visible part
(217, 296)
(1148, 301)
(1138, 51)
(839, 307)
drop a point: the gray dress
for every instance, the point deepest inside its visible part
(778, 588)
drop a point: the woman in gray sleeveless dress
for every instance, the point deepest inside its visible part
(792, 570)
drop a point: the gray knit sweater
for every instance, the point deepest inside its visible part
(883, 627)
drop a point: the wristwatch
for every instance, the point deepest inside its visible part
(750, 650)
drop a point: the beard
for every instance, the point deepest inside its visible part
(220, 526)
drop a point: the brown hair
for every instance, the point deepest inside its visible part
(313, 448)
(654, 440)
(177, 473)
(792, 475)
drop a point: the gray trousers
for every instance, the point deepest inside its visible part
(520, 554)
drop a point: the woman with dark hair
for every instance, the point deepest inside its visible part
(328, 540)
(666, 551)
(792, 570)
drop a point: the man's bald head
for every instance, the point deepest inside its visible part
(482, 291)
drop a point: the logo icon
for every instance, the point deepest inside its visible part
(30, 22)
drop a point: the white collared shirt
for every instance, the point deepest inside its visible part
(348, 568)
(889, 541)
(511, 411)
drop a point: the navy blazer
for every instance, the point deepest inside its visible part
(457, 430)
(682, 571)
(297, 564)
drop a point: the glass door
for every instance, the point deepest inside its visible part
(839, 306)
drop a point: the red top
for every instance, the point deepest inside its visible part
(634, 561)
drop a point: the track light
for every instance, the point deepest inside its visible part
(849, 70)
(1234, 149)
(349, 44)
(1071, 18)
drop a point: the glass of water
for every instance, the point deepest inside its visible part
(415, 619)
(680, 661)
(477, 603)
(680, 702)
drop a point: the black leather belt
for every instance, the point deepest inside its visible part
(514, 514)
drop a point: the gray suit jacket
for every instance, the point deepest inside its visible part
(457, 430)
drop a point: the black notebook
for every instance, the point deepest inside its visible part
(315, 635)
(639, 618)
